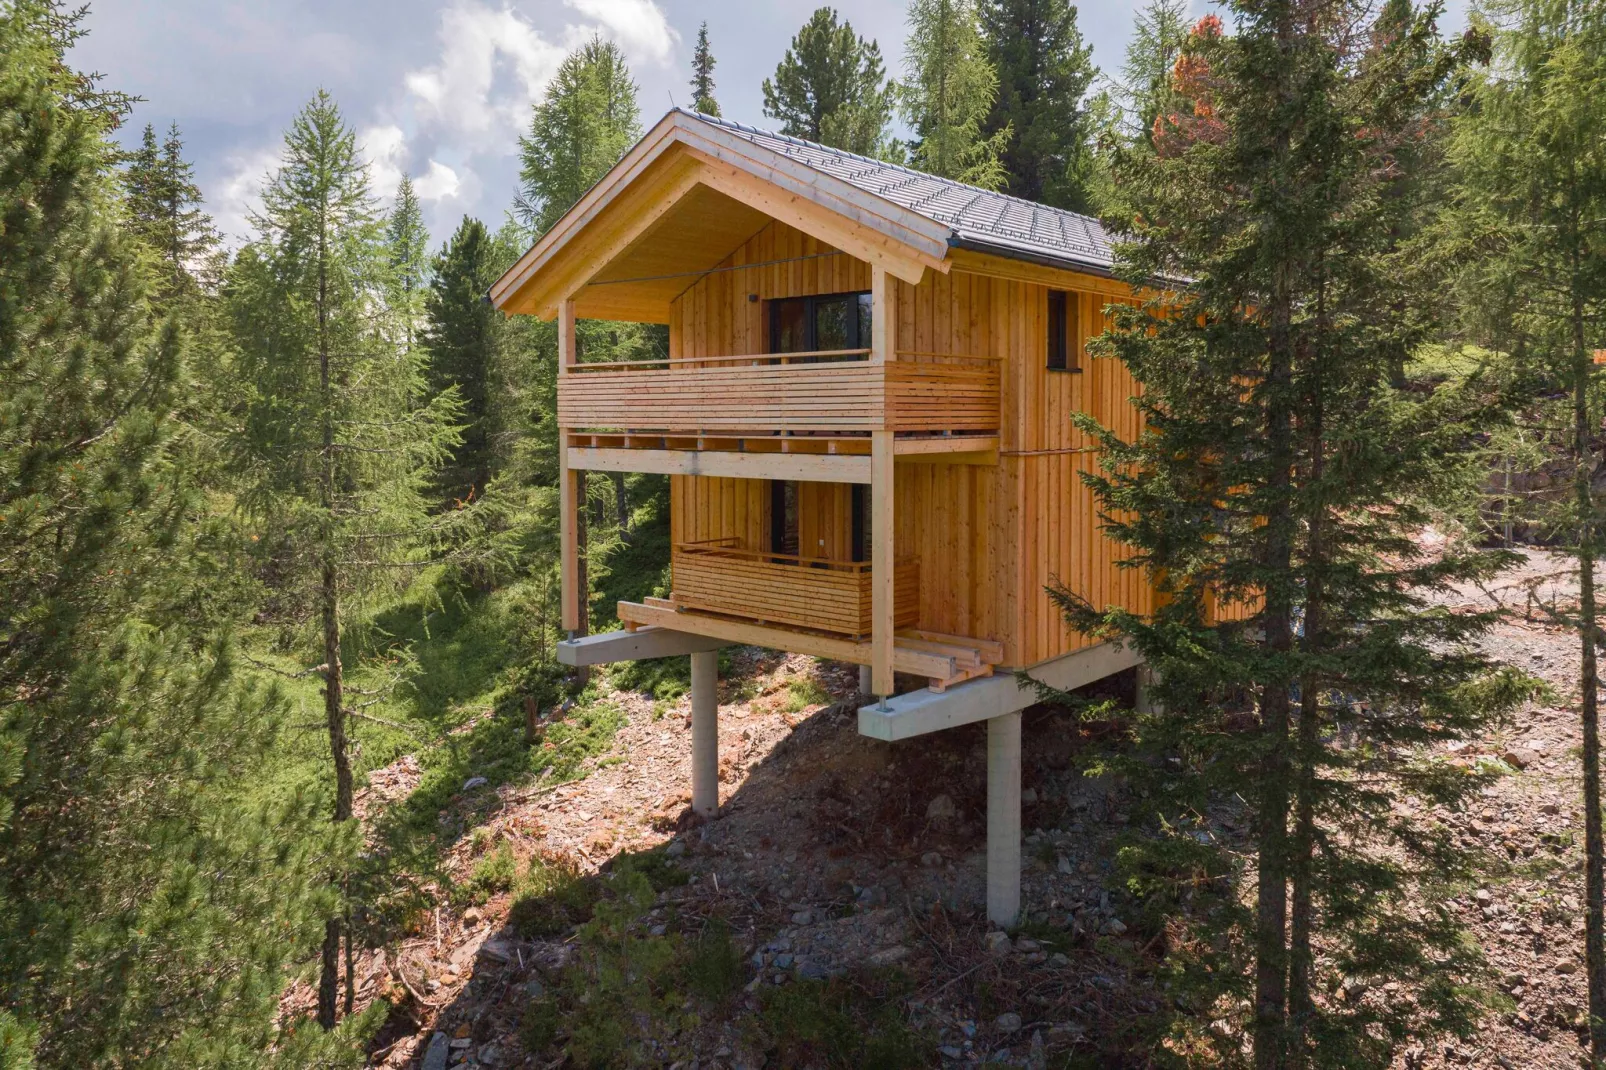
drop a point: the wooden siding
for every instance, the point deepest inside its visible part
(989, 540)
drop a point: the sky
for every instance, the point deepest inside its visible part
(441, 89)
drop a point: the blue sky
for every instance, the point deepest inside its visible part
(441, 89)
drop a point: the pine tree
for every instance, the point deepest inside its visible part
(339, 435)
(164, 208)
(702, 75)
(948, 94)
(1157, 36)
(1044, 71)
(148, 911)
(587, 119)
(1530, 154)
(465, 338)
(831, 87)
(407, 244)
(1279, 476)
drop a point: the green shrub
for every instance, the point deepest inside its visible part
(714, 964)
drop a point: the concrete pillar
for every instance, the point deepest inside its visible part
(1145, 701)
(705, 733)
(866, 682)
(1003, 819)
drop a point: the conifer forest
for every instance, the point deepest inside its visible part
(291, 774)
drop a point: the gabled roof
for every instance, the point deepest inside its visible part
(979, 219)
(691, 190)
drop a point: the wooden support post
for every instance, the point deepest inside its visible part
(882, 586)
(570, 494)
(883, 316)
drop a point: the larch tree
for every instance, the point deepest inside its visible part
(1157, 36)
(831, 87)
(1529, 155)
(1306, 662)
(947, 94)
(407, 251)
(1044, 72)
(149, 911)
(339, 436)
(586, 120)
(702, 75)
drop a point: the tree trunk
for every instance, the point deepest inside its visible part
(335, 716)
(622, 505)
(1588, 682)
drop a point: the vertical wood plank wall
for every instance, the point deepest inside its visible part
(989, 539)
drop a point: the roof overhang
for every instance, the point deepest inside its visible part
(679, 203)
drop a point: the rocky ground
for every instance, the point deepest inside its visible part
(839, 860)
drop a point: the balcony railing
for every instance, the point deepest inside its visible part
(829, 391)
(717, 576)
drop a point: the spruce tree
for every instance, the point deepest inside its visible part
(339, 435)
(1158, 33)
(149, 908)
(164, 209)
(586, 120)
(407, 247)
(1530, 158)
(831, 87)
(465, 337)
(1044, 71)
(702, 75)
(1280, 477)
(949, 92)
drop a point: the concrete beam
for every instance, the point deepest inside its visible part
(634, 646)
(919, 712)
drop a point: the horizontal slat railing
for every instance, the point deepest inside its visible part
(816, 593)
(834, 390)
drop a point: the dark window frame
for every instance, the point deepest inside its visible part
(810, 303)
(1064, 326)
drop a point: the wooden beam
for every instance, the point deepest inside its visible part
(633, 646)
(810, 467)
(570, 495)
(882, 587)
(660, 614)
(909, 448)
(971, 262)
(923, 711)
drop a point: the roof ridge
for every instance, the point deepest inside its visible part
(732, 124)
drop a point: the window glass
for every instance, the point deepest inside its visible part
(789, 327)
(863, 341)
(831, 327)
(818, 323)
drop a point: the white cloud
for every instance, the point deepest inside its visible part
(240, 194)
(638, 25)
(437, 183)
(477, 43)
(385, 148)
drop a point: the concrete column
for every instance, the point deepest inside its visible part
(705, 733)
(866, 682)
(1145, 701)
(1003, 819)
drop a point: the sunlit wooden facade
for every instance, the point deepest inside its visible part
(867, 423)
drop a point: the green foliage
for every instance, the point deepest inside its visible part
(407, 257)
(1158, 34)
(803, 692)
(714, 967)
(1044, 70)
(831, 87)
(1282, 475)
(164, 210)
(148, 913)
(587, 119)
(493, 874)
(702, 75)
(845, 1022)
(948, 94)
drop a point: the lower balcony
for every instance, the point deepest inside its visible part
(833, 597)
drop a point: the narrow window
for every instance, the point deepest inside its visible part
(783, 517)
(861, 522)
(1064, 331)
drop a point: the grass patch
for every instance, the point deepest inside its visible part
(492, 874)
(803, 692)
(840, 1023)
(550, 898)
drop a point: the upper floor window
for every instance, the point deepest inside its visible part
(820, 322)
(1064, 331)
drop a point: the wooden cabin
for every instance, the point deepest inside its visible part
(865, 414)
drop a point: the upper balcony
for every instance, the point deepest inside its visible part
(831, 392)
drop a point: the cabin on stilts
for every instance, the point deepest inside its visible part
(865, 415)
